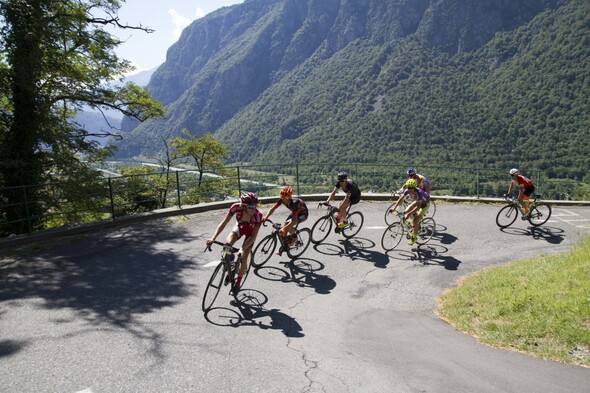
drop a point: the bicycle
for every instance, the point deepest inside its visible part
(225, 273)
(322, 227)
(539, 212)
(266, 247)
(403, 228)
(389, 218)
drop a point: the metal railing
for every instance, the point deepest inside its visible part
(119, 196)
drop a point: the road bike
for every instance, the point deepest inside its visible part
(293, 245)
(225, 273)
(539, 212)
(322, 227)
(403, 228)
(389, 218)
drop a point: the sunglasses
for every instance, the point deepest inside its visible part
(250, 206)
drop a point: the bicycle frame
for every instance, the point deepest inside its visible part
(223, 274)
(403, 228)
(539, 212)
(266, 247)
(323, 226)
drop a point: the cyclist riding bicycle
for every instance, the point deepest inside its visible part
(352, 197)
(299, 213)
(417, 209)
(525, 188)
(422, 180)
(248, 221)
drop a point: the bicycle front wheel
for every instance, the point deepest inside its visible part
(213, 287)
(321, 229)
(303, 240)
(431, 209)
(392, 236)
(354, 224)
(426, 230)
(506, 216)
(539, 214)
(390, 218)
(263, 251)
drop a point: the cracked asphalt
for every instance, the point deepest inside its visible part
(119, 310)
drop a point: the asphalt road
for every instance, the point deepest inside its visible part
(120, 311)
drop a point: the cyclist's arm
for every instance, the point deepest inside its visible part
(399, 201)
(332, 195)
(220, 228)
(270, 212)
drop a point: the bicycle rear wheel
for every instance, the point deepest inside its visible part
(303, 240)
(539, 214)
(426, 230)
(506, 216)
(354, 224)
(264, 251)
(392, 236)
(213, 287)
(321, 229)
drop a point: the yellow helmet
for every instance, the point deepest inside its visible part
(286, 192)
(411, 183)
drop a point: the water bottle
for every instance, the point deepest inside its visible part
(232, 261)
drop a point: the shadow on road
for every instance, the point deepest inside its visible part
(355, 249)
(103, 278)
(301, 271)
(551, 235)
(249, 311)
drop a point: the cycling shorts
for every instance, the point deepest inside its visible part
(243, 229)
(528, 191)
(301, 217)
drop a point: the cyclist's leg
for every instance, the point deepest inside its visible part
(526, 194)
(344, 205)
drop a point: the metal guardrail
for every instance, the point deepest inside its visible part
(132, 195)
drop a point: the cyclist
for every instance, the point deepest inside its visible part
(422, 180)
(298, 214)
(417, 209)
(248, 221)
(525, 188)
(352, 197)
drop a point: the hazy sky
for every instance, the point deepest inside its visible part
(167, 18)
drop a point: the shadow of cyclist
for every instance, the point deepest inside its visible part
(434, 255)
(249, 311)
(551, 235)
(301, 271)
(359, 248)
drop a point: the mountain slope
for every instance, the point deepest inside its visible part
(487, 82)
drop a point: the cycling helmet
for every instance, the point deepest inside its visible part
(342, 176)
(249, 198)
(411, 183)
(513, 171)
(411, 171)
(286, 192)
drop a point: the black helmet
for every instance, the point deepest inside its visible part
(342, 175)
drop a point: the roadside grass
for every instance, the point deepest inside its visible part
(539, 306)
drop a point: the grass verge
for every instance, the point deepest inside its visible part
(539, 306)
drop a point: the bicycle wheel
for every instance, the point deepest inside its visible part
(506, 216)
(213, 287)
(539, 214)
(431, 209)
(263, 251)
(354, 224)
(303, 239)
(426, 230)
(389, 217)
(392, 236)
(321, 229)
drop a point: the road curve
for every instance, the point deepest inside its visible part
(119, 310)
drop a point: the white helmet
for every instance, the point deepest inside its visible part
(513, 171)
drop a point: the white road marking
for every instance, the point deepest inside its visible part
(375, 227)
(85, 391)
(212, 263)
(568, 213)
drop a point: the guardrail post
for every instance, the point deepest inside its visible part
(239, 182)
(297, 178)
(112, 200)
(477, 184)
(29, 229)
(178, 189)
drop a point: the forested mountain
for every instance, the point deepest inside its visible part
(486, 82)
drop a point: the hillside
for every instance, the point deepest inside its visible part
(488, 83)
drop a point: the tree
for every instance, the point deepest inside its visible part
(55, 59)
(206, 151)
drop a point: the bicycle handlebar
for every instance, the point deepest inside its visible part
(233, 250)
